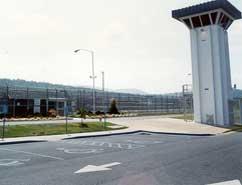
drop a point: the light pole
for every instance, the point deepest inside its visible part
(103, 89)
(92, 77)
(104, 97)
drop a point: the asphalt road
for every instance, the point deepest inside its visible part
(140, 159)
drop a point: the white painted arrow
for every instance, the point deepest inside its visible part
(92, 168)
(234, 182)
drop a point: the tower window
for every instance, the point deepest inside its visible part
(196, 22)
(205, 20)
(221, 17)
(214, 17)
(188, 23)
(224, 21)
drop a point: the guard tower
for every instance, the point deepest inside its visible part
(212, 91)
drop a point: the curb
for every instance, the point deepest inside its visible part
(102, 135)
(140, 131)
(108, 134)
(21, 142)
(178, 134)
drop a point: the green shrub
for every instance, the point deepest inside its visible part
(113, 107)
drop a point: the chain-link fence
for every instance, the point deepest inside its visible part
(187, 102)
(22, 102)
(237, 111)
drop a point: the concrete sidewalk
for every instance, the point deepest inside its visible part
(168, 125)
(157, 124)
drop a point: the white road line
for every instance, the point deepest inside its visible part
(133, 146)
(119, 145)
(12, 162)
(101, 144)
(30, 153)
(80, 151)
(234, 182)
(107, 144)
(92, 168)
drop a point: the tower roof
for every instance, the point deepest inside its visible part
(206, 7)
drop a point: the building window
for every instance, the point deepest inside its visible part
(214, 17)
(205, 20)
(224, 21)
(221, 17)
(188, 23)
(196, 22)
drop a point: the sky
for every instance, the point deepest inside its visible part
(136, 43)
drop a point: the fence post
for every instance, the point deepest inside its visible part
(7, 93)
(56, 96)
(167, 104)
(79, 99)
(3, 129)
(27, 94)
(240, 110)
(47, 101)
(14, 106)
(66, 110)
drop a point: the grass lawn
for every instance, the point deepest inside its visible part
(236, 128)
(185, 117)
(54, 129)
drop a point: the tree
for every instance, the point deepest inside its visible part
(83, 114)
(113, 107)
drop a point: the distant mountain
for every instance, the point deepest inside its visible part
(33, 84)
(131, 91)
(45, 85)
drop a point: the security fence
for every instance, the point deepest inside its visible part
(187, 102)
(30, 101)
(237, 111)
(24, 102)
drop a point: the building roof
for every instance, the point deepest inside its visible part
(208, 6)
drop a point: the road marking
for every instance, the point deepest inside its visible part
(234, 182)
(92, 168)
(30, 153)
(12, 162)
(145, 142)
(106, 144)
(80, 151)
